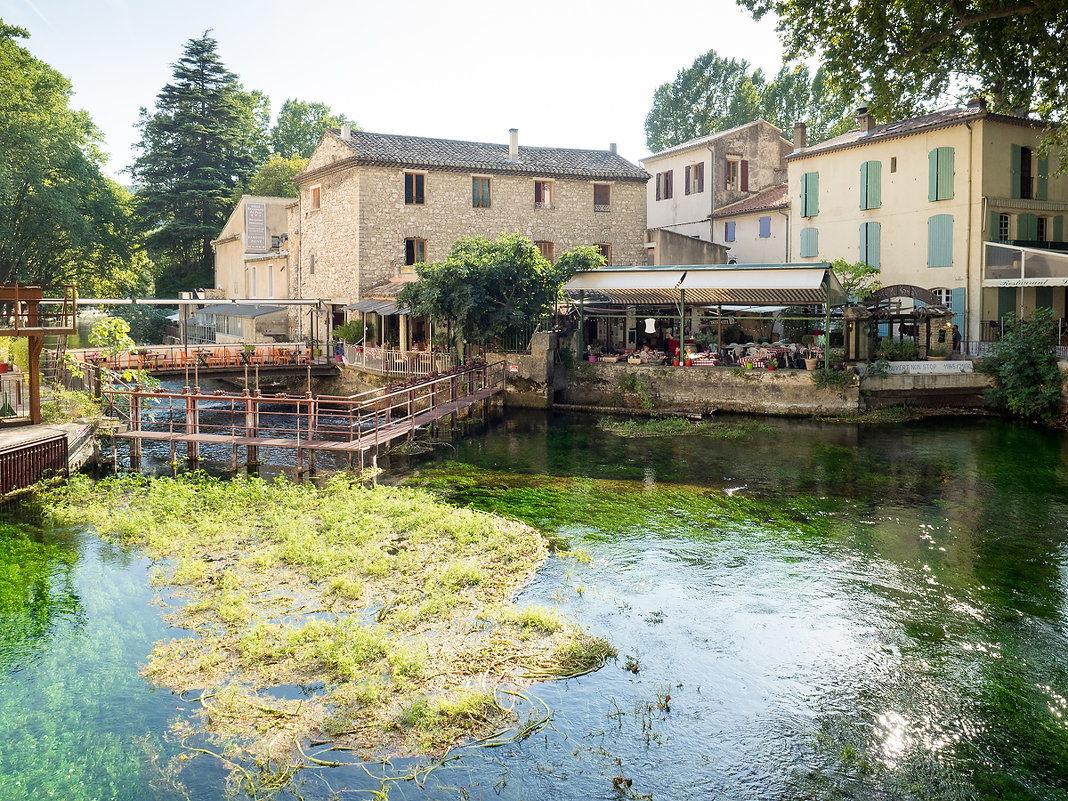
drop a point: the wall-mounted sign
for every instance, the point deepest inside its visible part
(513, 368)
(256, 227)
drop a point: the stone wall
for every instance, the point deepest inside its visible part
(779, 392)
(962, 390)
(529, 376)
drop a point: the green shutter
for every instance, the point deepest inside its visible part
(1058, 228)
(864, 186)
(1006, 301)
(1044, 297)
(1014, 170)
(474, 192)
(957, 300)
(995, 227)
(862, 253)
(1043, 178)
(932, 175)
(1027, 227)
(945, 173)
(875, 184)
(940, 240)
(809, 242)
(810, 194)
(874, 245)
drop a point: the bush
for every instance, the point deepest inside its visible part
(891, 350)
(1027, 381)
(350, 332)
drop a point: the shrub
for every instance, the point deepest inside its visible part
(1027, 381)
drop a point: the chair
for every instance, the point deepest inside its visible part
(217, 358)
(281, 356)
(304, 356)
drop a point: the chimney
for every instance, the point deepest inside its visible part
(865, 121)
(976, 104)
(800, 136)
(612, 148)
(513, 144)
(346, 130)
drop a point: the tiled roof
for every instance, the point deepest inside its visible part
(888, 130)
(425, 153)
(776, 197)
(390, 289)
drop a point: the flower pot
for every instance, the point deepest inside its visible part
(592, 358)
(748, 365)
(3, 367)
(812, 364)
(675, 362)
(688, 363)
(772, 366)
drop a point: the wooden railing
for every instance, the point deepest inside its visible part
(156, 358)
(399, 362)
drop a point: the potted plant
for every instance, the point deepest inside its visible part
(773, 364)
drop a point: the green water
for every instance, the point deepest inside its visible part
(836, 612)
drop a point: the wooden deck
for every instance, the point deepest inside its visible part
(352, 425)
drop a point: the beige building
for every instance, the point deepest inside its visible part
(691, 182)
(958, 201)
(757, 229)
(371, 206)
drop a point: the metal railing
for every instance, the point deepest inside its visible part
(399, 362)
(156, 358)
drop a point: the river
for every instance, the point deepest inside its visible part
(809, 611)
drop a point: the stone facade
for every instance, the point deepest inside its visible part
(353, 221)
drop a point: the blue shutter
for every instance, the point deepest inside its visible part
(1058, 228)
(1043, 178)
(958, 307)
(940, 240)
(1014, 170)
(730, 231)
(765, 227)
(932, 175)
(809, 242)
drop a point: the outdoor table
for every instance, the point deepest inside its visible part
(202, 358)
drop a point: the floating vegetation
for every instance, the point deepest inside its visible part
(678, 426)
(376, 596)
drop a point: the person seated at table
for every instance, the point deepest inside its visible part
(645, 355)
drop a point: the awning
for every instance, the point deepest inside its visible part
(382, 307)
(763, 285)
(239, 311)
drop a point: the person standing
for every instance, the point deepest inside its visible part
(956, 339)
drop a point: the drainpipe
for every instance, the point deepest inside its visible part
(968, 249)
(711, 191)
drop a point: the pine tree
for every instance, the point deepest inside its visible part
(197, 145)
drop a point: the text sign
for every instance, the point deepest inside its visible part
(256, 227)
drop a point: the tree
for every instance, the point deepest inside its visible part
(909, 56)
(859, 280)
(712, 95)
(195, 148)
(300, 126)
(484, 288)
(275, 178)
(61, 219)
(1027, 380)
(715, 94)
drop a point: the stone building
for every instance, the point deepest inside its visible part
(960, 202)
(371, 206)
(693, 181)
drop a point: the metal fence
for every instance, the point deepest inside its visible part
(399, 362)
(975, 349)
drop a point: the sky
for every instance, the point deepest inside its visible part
(566, 73)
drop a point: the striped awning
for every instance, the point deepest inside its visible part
(789, 285)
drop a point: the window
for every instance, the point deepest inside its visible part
(728, 231)
(810, 194)
(695, 178)
(870, 234)
(1020, 172)
(765, 227)
(871, 174)
(480, 193)
(414, 189)
(546, 249)
(1043, 229)
(736, 173)
(316, 197)
(893, 164)
(664, 188)
(414, 253)
(1003, 228)
(940, 174)
(945, 297)
(606, 252)
(543, 194)
(602, 196)
(809, 242)
(940, 240)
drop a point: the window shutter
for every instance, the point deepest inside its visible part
(932, 175)
(687, 179)
(875, 244)
(862, 253)
(701, 177)
(940, 240)
(1043, 178)
(1027, 227)
(659, 184)
(669, 189)
(1058, 228)
(810, 188)
(958, 297)
(945, 173)
(474, 192)
(765, 227)
(409, 188)
(730, 231)
(1014, 170)
(745, 175)
(864, 185)
(1044, 297)
(809, 242)
(1006, 301)
(875, 175)
(995, 227)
